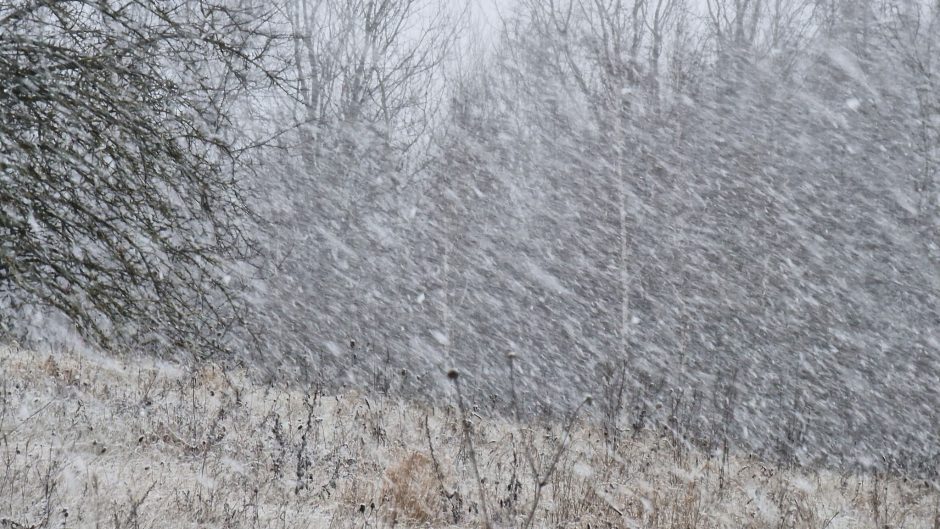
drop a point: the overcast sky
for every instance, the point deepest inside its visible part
(486, 14)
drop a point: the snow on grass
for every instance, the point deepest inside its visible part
(92, 441)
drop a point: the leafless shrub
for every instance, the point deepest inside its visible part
(122, 205)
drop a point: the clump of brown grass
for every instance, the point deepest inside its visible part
(411, 491)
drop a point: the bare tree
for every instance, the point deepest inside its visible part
(120, 202)
(346, 242)
(367, 61)
(912, 31)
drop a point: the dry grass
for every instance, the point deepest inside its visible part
(411, 491)
(90, 441)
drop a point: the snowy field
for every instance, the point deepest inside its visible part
(93, 441)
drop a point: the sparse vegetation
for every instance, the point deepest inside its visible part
(91, 441)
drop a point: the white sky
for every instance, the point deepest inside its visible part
(486, 14)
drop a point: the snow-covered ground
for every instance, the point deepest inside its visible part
(94, 441)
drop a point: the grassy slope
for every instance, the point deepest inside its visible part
(93, 442)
